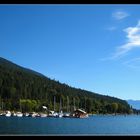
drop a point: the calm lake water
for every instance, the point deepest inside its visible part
(94, 125)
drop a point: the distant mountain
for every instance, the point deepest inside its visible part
(134, 103)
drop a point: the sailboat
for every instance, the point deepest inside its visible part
(60, 114)
(8, 114)
(19, 114)
(52, 113)
(67, 114)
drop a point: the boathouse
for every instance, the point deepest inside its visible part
(79, 113)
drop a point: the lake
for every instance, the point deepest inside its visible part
(94, 125)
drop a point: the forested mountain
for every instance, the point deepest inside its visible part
(22, 88)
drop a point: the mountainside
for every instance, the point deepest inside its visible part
(24, 88)
(134, 103)
(9, 64)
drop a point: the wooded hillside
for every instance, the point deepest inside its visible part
(21, 87)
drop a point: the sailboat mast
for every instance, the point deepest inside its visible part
(85, 103)
(74, 102)
(2, 105)
(20, 105)
(54, 103)
(67, 104)
(60, 106)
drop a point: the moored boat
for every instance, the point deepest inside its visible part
(43, 115)
(13, 114)
(26, 114)
(33, 114)
(53, 114)
(60, 114)
(19, 114)
(66, 115)
(8, 114)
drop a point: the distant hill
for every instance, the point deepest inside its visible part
(134, 103)
(21, 86)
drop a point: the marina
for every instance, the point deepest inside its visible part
(45, 112)
(77, 113)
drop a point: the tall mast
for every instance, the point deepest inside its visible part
(85, 104)
(20, 106)
(60, 106)
(74, 103)
(67, 104)
(2, 105)
(54, 103)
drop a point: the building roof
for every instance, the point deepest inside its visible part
(80, 110)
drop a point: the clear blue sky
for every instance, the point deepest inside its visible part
(93, 47)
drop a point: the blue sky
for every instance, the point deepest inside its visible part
(92, 47)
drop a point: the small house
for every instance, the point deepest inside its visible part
(79, 113)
